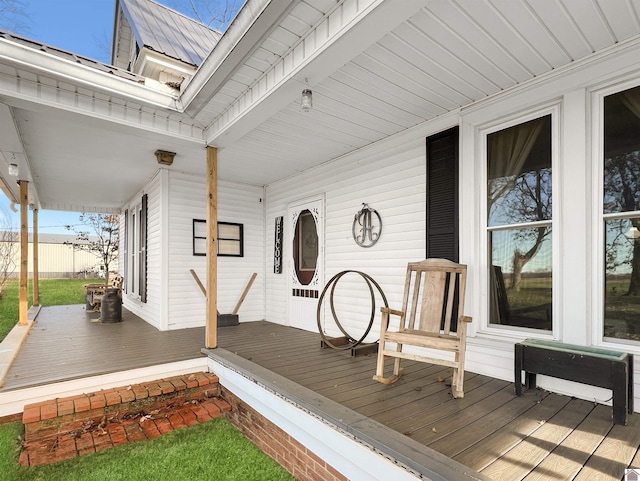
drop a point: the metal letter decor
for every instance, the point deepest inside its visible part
(367, 226)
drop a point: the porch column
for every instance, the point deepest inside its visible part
(36, 275)
(212, 248)
(24, 251)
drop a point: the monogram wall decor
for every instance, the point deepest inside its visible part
(367, 226)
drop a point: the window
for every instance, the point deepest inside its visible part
(519, 215)
(199, 237)
(136, 234)
(230, 238)
(621, 215)
(305, 247)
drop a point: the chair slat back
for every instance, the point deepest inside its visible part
(434, 294)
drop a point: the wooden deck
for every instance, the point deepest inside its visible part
(67, 342)
(537, 436)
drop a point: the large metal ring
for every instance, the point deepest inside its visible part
(333, 283)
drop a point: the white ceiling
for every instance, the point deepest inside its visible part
(444, 56)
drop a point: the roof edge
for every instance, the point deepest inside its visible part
(252, 24)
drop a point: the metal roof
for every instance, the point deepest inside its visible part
(72, 57)
(168, 32)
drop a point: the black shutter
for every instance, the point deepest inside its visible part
(143, 253)
(442, 195)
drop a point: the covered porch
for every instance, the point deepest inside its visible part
(415, 422)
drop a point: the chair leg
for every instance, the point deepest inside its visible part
(397, 370)
(457, 380)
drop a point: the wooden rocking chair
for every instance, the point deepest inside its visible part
(433, 294)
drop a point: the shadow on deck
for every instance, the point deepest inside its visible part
(538, 436)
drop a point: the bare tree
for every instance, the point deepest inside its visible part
(622, 190)
(8, 249)
(99, 235)
(14, 16)
(216, 14)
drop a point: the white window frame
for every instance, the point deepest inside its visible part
(134, 241)
(515, 332)
(597, 134)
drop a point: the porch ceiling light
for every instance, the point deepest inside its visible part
(14, 170)
(633, 233)
(306, 101)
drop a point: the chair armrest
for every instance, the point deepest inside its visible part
(391, 311)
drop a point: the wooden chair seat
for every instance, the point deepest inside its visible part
(433, 296)
(425, 339)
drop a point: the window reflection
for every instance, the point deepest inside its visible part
(519, 207)
(621, 207)
(622, 279)
(521, 291)
(519, 168)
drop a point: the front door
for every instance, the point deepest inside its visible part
(305, 265)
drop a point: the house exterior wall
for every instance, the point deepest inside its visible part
(154, 310)
(186, 200)
(237, 204)
(174, 300)
(390, 177)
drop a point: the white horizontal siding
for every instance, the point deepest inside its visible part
(390, 179)
(237, 203)
(152, 310)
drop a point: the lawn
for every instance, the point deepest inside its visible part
(214, 451)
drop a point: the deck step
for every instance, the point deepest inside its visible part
(77, 414)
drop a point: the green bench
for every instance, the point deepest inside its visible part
(587, 365)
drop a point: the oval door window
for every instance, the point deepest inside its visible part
(305, 247)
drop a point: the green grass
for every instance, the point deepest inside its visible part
(53, 292)
(214, 451)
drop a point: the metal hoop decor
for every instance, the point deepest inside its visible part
(333, 283)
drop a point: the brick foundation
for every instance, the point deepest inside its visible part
(285, 450)
(64, 428)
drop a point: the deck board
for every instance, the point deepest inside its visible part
(486, 450)
(530, 452)
(538, 436)
(65, 344)
(566, 460)
(614, 453)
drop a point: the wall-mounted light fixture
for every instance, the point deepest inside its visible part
(164, 157)
(14, 170)
(306, 101)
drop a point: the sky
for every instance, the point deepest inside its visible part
(84, 27)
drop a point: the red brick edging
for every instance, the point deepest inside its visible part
(68, 427)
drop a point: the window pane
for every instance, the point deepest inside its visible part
(621, 186)
(519, 173)
(228, 231)
(229, 247)
(622, 152)
(622, 279)
(521, 276)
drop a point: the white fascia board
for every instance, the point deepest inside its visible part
(59, 68)
(281, 85)
(254, 22)
(147, 57)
